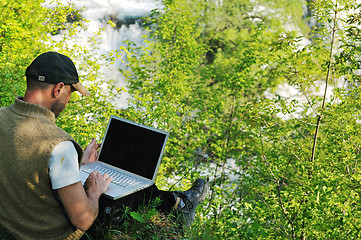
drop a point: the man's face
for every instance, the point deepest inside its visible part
(59, 105)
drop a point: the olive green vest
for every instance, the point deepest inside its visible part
(29, 208)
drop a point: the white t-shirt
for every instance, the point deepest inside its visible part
(63, 165)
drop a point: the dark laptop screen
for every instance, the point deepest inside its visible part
(133, 148)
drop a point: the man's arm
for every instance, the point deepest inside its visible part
(82, 205)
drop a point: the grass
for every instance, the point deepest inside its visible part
(145, 223)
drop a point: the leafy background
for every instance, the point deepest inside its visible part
(212, 74)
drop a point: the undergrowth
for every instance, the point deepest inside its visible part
(145, 223)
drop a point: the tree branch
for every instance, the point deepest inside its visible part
(325, 93)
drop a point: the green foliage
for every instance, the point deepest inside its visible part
(21, 30)
(144, 223)
(161, 83)
(279, 167)
(280, 188)
(296, 195)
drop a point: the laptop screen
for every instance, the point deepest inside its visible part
(132, 147)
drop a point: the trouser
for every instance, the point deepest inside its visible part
(111, 211)
(144, 196)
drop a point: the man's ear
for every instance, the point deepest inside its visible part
(58, 89)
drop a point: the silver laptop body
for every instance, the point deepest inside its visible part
(131, 153)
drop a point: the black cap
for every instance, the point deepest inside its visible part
(53, 67)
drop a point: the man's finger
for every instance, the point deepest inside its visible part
(98, 145)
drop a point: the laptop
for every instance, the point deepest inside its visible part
(131, 153)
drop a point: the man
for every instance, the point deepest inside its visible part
(41, 196)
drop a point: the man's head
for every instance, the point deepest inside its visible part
(51, 78)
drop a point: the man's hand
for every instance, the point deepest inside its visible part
(96, 184)
(91, 152)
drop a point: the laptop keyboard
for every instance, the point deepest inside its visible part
(119, 178)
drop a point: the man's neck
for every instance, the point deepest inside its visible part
(38, 97)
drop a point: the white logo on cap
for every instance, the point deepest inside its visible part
(41, 78)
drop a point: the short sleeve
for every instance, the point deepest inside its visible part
(63, 165)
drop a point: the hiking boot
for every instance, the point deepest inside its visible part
(186, 202)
